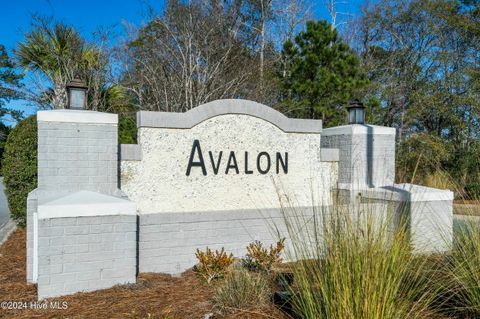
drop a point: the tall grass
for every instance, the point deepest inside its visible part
(351, 266)
(442, 180)
(457, 273)
(460, 275)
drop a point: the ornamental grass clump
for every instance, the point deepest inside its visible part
(460, 275)
(261, 258)
(352, 265)
(213, 264)
(242, 290)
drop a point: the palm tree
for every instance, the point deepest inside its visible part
(58, 53)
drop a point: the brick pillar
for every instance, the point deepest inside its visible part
(77, 150)
(367, 155)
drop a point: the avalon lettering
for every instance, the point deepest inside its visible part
(262, 162)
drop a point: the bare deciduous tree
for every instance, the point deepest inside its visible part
(194, 53)
(290, 18)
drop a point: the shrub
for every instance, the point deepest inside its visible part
(4, 132)
(212, 265)
(20, 167)
(127, 130)
(259, 258)
(242, 290)
(464, 165)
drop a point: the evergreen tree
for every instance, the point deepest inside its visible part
(9, 81)
(9, 90)
(320, 74)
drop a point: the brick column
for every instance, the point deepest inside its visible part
(367, 155)
(77, 150)
(81, 230)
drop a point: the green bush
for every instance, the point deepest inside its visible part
(19, 167)
(242, 290)
(4, 131)
(464, 165)
(127, 130)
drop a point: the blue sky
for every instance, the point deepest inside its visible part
(90, 15)
(86, 15)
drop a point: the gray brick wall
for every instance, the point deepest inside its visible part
(344, 144)
(85, 254)
(168, 241)
(77, 156)
(79, 253)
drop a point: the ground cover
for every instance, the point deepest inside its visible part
(449, 288)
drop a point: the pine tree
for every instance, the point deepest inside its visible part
(9, 90)
(9, 80)
(320, 73)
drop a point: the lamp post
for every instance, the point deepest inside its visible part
(77, 94)
(356, 112)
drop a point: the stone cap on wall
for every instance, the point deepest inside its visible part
(405, 192)
(77, 116)
(86, 203)
(354, 129)
(223, 107)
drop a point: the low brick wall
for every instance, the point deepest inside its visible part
(168, 241)
(427, 211)
(431, 225)
(85, 254)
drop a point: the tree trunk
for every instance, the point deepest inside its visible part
(59, 100)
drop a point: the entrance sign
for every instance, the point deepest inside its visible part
(225, 155)
(220, 176)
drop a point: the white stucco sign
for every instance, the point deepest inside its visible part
(225, 155)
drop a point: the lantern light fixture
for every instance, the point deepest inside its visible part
(356, 112)
(77, 94)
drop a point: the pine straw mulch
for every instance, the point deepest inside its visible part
(163, 296)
